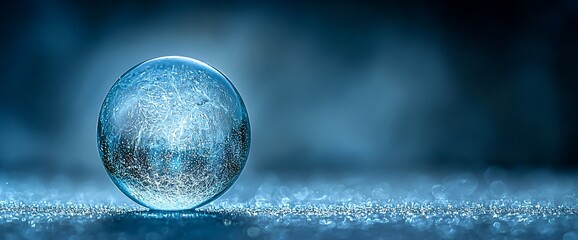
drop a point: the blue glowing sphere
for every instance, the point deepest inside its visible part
(173, 133)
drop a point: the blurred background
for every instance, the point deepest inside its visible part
(338, 87)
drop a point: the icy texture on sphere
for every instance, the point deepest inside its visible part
(173, 133)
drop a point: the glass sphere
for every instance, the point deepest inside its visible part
(173, 133)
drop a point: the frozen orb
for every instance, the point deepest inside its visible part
(173, 133)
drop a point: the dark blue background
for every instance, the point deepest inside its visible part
(344, 87)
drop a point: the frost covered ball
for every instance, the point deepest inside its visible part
(173, 133)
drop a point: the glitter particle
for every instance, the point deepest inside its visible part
(238, 214)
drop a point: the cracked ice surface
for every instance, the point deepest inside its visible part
(173, 133)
